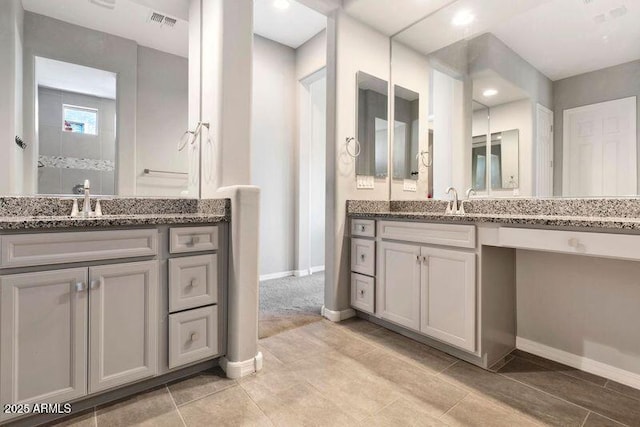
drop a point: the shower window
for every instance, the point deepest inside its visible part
(79, 120)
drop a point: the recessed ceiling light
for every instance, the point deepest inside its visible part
(489, 92)
(281, 4)
(462, 18)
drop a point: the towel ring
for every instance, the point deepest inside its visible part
(356, 147)
(189, 137)
(421, 157)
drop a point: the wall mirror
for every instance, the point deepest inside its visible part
(373, 126)
(103, 93)
(515, 113)
(406, 135)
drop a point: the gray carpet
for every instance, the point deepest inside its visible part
(292, 295)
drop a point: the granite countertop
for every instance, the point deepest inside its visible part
(515, 219)
(50, 222)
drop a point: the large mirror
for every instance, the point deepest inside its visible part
(515, 113)
(102, 94)
(373, 126)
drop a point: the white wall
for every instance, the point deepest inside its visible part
(581, 305)
(272, 151)
(353, 47)
(11, 43)
(162, 117)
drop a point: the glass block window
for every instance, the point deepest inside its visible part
(79, 120)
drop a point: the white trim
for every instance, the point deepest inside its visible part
(317, 269)
(280, 275)
(622, 376)
(235, 370)
(541, 168)
(337, 316)
(309, 271)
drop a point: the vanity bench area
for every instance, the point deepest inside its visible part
(540, 275)
(93, 309)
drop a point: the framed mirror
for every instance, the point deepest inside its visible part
(516, 114)
(102, 93)
(372, 118)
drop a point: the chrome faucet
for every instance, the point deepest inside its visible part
(470, 192)
(86, 206)
(452, 207)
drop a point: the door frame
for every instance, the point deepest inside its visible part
(539, 167)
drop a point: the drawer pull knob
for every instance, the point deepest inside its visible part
(81, 287)
(573, 242)
(363, 256)
(193, 283)
(361, 292)
(95, 284)
(194, 240)
(194, 336)
(362, 228)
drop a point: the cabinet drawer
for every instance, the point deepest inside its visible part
(193, 239)
(363, 227)
(363, 255)
(22, 250)
(193, 282)
(193, 335)
(573, 242)
(463, 236)
(362, 292)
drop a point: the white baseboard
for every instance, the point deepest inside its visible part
(276, 275)
(579, 362)
(337, 316)
(308, 272)
(235, 370)
(317, 269)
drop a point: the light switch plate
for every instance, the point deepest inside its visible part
(365, 182)
(410, 185)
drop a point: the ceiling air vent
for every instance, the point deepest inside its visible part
(162, 20)
(169, 22)
(156, 17)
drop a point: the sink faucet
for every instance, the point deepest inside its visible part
(86, 207)
(452, 207)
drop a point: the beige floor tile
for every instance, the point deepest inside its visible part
(559, 367)
(476, 411)
(337, 339)
(358, 326)
(294, 403)
(352, 387)
(292, 346)
(86, 419)
(624, 389)
(433, 395)
(586, 394)
(230, 407)
(153, 408)
(595, 420)
(402, 413)
(536, 405)
(198, 386)
(270, 325)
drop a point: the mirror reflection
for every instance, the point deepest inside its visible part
(373, 126)
(515, 113)
(102, 94)
(406, 113)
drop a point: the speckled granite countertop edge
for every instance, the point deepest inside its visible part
(106, 221)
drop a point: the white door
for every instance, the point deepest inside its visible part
(544, 118)
(448, 303)
(123, 304)
(599, 149)
(43, 339)
(398, 293)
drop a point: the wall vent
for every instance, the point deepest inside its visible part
(169, 22)
(156, 17)
(162, 20)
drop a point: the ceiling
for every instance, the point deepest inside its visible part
(129, 19)
(75, 78)
(489, 79)
(291, 27)
(586, 43)
(392, 16)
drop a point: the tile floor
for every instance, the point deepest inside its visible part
(356, 373)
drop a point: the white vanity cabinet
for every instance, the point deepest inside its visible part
(425, 279)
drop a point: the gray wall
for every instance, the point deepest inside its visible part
(162, 117)
(272, 152)
(55, 142)
(620, 81)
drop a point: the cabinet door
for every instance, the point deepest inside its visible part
(123, 304)
(43, 339)
(449, 297)
(398, 294)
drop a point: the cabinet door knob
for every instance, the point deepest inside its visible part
(363, 256)
(81, 287)
(95, 284)
(425, 260)
(194, 336)
(418, 258)
(362, 292)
